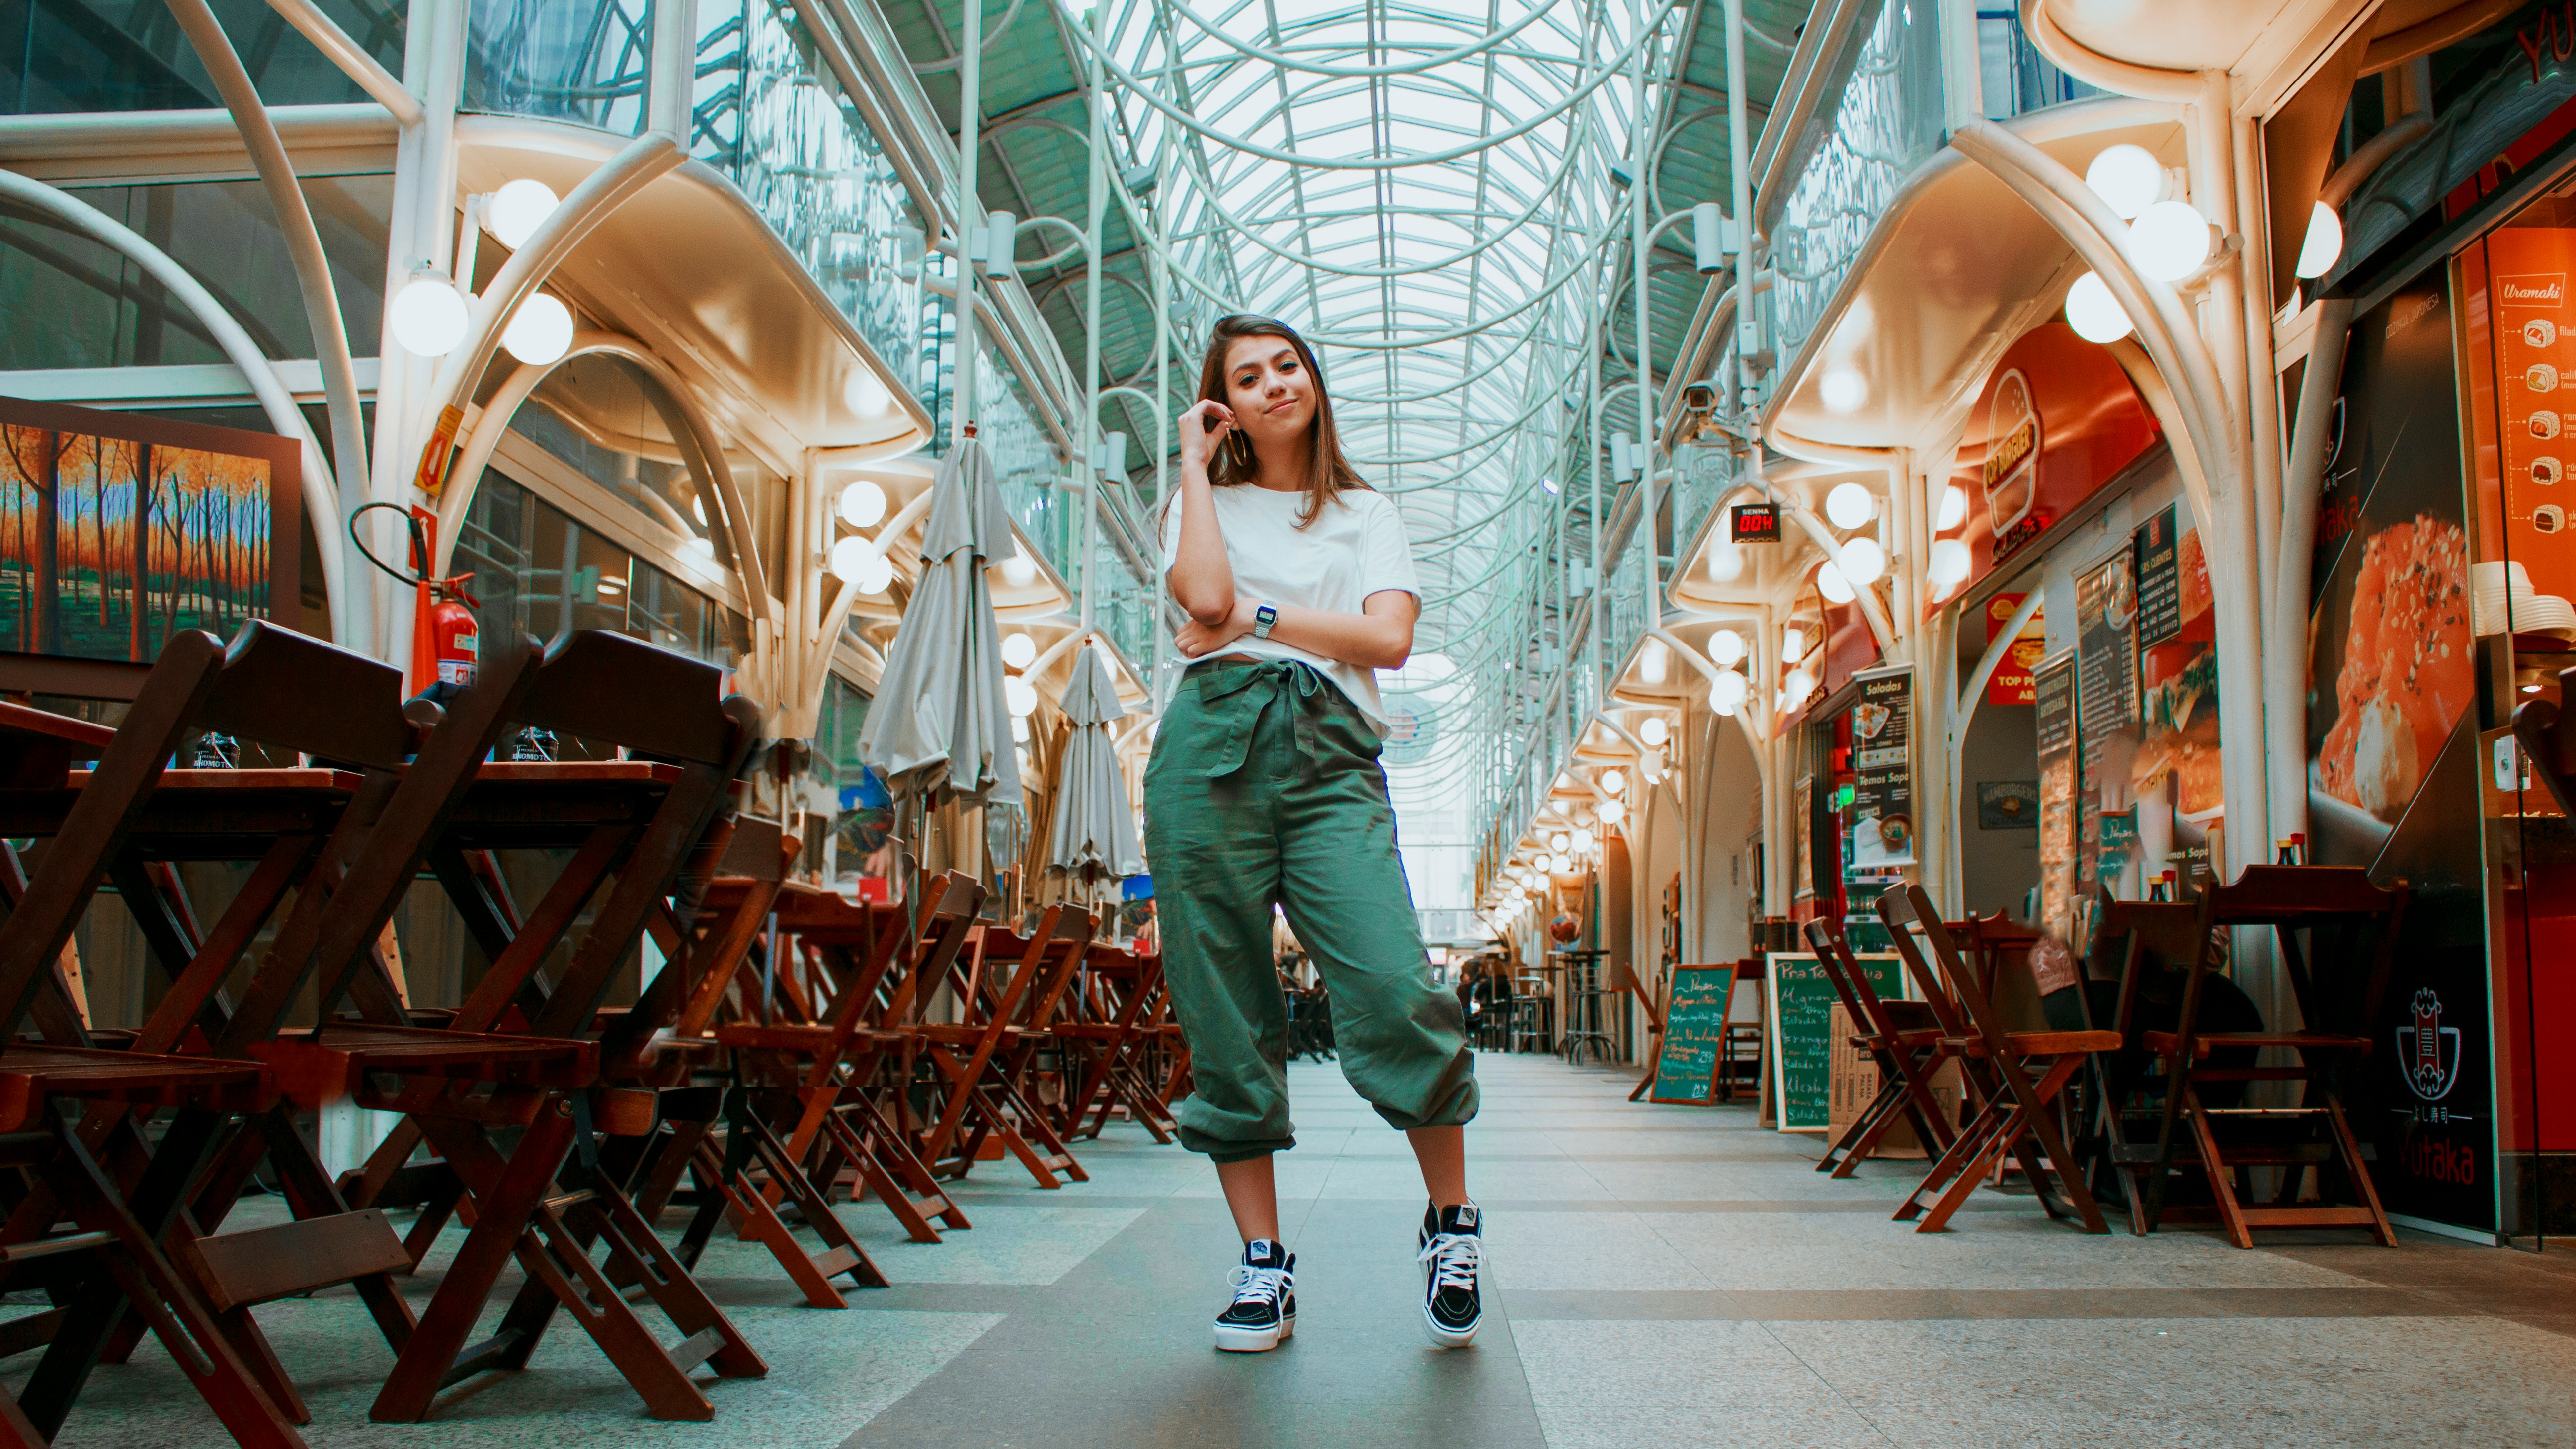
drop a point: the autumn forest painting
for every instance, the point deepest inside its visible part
(109, 544)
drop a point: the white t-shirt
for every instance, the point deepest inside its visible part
(1355, 547)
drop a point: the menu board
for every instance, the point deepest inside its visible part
(2106, 705)
(2054, 689)
(1800, 1003)
(1882, 808)
(2159, 552)
(2536, 398)
(1694, 1027)
(2011, 681)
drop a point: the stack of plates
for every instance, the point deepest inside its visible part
(2504, 601)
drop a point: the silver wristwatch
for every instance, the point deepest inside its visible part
(1262, 619)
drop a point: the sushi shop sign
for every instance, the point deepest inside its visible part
(2058, 419)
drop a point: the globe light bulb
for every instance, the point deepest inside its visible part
(518, 209)
(1558, 842)
(1612, 812)
(1727, 692)
(2129, 179)
(1583, 842)
(1019, 729)
(1850, 505)
(1831, 583)
(1842, 390)
(540, 331)
(1954, 506)
(1614, 783)
(1019, 651)
(2170, 240)
(2096, 316)
(1654, 661)
(1949, 562)
(1864, 562)
(1793, 644)
(1725, 647)
(862, 504)
(848, 558)
(1020, 696)
(1654, 731)
(428, 315)
(1801, 684)
(2324, 244)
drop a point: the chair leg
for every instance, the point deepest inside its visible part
(2357, 1170)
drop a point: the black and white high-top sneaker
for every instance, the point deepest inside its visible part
(1452, 1256)
(1264, 1309)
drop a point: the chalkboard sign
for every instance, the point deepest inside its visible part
(1694, 1024)
(1801, 1003)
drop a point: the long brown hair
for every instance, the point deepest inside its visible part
(1328, 471)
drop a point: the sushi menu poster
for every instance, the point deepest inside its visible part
(2536, 398)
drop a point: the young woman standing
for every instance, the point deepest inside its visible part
(1265, 790)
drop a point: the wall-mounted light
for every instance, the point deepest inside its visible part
(428, 315)
(2324, 244)
(862, 504)
(1850, 505)
(2170, 240)
(540, 332)
(2096, 316)
(2129, 179)
(516, 211)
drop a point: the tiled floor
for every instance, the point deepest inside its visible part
(1663, 1276)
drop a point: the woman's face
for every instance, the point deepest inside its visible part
(1269, 389)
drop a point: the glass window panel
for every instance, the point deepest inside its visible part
(567, 60)
(83, 55)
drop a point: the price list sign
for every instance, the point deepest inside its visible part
(1882, 809)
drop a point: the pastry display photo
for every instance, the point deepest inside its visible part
(2406, 675)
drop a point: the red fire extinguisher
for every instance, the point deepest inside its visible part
(444, 636)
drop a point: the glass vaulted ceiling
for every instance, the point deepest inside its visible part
(1424, 190)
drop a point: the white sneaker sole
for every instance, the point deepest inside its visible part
(1230, 1339)
(1449, 1337)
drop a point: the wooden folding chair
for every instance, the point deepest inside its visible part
(116, 1262)
(814, 1076)
(2346, 918)
(1106, 1043)
(1900, 1036)
(985, 1059)
(2024, 1071)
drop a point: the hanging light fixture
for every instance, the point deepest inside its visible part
(428, 315)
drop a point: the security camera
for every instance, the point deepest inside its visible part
(1700, 398)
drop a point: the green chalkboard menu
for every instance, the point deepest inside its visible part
(1801, 1003)
(1694, 1024)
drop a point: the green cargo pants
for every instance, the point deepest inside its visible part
(1265, 787)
